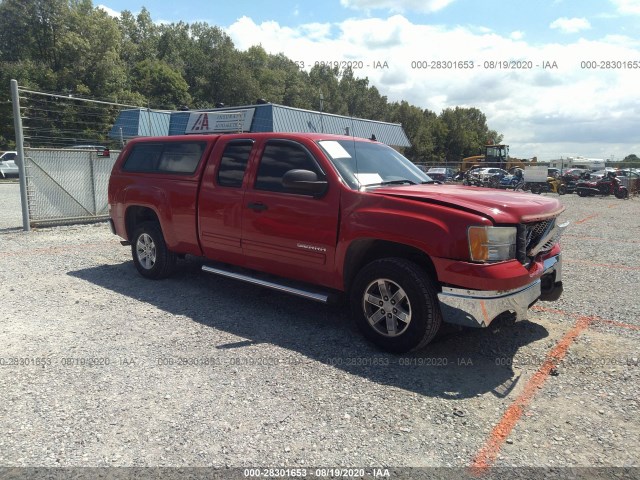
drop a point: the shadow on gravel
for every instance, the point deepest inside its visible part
(459, 363)
(11, 229)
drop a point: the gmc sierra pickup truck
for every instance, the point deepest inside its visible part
(325, 216)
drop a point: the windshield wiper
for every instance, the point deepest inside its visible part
(392, 182)
(429, 182)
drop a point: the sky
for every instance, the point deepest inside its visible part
(557, 78)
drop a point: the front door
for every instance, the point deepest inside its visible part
(287, 233)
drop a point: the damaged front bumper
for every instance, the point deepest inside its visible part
(478, 308)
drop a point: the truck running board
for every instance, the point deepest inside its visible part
(272, 282)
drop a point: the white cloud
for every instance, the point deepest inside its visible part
(570, 25)
(316, 31)
(628, 6)
(427, 6)
(110, 11)
(517, 35)
(543, 112)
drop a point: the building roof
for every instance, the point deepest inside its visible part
(266, 117)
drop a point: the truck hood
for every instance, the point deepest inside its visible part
(501, 206)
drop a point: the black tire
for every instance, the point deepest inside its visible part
(622, 193)
(562, 189)
(582, 192)
(150, 254)
(536, 189)
(416, 298)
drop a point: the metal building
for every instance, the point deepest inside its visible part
(267, 117)
(140, 122)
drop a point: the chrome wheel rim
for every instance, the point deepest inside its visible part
(387, 307)
(146, 251)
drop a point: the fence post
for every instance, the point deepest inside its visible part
(93, 183)
(22, 167)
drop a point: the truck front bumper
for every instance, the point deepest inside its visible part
(478, 308)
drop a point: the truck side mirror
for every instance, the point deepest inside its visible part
(304, 182)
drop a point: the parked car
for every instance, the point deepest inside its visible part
(513, 180)
(442, 174)
(627, 172)
(101, 150)
(487, 172)
(491, 176)
(8, 165)
(574, 173)
(600, 174)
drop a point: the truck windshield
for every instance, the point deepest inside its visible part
(364, 164)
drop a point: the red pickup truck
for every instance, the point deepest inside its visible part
(326, 216)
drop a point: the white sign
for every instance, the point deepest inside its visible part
(535, 174)
(220, 122)
(334, 149)
(368, 178)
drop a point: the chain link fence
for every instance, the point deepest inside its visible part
(67, 186)
(63, 178)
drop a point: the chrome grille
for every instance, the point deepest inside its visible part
(530, 236)
(535, 232)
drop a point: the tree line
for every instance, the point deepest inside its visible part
(73, 47)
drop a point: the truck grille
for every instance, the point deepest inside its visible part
(531, 234)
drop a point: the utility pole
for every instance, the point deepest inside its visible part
(321, 115)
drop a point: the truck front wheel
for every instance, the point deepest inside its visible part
(395, 305)
(150, 254)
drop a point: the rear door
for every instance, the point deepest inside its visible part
(283, 232)
(220, 204)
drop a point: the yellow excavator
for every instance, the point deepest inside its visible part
(496, 156)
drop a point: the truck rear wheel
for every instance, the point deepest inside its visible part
(395, 305)
(150, 254)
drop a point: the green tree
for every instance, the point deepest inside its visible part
(354, 92)
(90, 60)
(33, 29)
(323, 80)
(161, 84)
(424, 129)
(631, 161)
(467, 132)
(140, 36)
(70, 46)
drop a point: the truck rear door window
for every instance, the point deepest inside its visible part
(234, 163)
(170, 157)
(277, 159)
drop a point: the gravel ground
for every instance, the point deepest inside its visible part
(197, 370)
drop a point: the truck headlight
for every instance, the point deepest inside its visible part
(492, 244)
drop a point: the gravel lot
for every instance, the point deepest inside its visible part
(197, 370)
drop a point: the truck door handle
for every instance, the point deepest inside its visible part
(257, 206)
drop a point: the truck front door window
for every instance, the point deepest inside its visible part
(277, 159)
